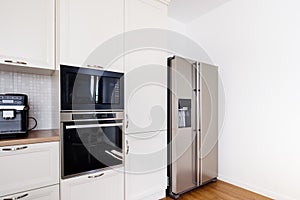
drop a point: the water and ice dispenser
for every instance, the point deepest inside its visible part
(184, 113)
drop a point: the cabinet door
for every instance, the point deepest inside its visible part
(145, 68)
(47, 193)
(87, 34)
(27, 37)
(145, 166)
(26, 167)
(102, 185)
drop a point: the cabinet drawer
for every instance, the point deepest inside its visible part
(48, 193)
(102, 185)
(26, 167)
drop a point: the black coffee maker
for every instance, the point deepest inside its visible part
(14, 115)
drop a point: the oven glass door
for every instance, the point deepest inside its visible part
(91, 146)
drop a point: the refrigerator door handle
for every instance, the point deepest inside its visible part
(198, 138)
(195, 127)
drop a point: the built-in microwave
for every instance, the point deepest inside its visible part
(91, 89)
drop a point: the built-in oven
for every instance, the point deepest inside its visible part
(91, 89)
(91, 142)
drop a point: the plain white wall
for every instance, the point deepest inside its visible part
(256, 43)
(174, 25)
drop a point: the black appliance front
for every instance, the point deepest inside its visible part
(13, 115)
(91, 146)
(91, 89)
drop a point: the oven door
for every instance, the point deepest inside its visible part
(90, 147)
(89, 89)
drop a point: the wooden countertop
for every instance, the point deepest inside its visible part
(37, 136)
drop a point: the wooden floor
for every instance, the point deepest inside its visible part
(220, 191)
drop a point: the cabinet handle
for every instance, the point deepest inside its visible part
(95, 66)
(15, 148)
(19, 197)
(16, 62)
(127, 147)
(96, 176)
(127, 121)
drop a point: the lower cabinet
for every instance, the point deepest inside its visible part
(27, 167)
(146, 166)
(47, 193)
(102, 185)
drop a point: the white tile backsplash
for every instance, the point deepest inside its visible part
(42, 94)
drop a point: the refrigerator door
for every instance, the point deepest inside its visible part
(182, 130)
(208, 123)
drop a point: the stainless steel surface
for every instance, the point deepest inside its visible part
(96, 176)
(209, 122)
(94, 126)
(183, 145)
(198, 109)
(15, 148)
(194, 153)
(68, 116)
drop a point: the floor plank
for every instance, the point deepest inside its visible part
(220, 191)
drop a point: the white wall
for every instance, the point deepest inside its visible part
(176, 26)
(257, 44)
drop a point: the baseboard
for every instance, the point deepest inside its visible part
(261, 191)
(153, 194)
(158, 195)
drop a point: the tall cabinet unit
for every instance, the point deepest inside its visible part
(27, 37)
(91, 36)
(145, 100)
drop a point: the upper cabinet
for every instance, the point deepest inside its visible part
(91, 33)
(27, 36)
(145, 66)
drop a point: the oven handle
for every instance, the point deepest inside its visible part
(93, 126)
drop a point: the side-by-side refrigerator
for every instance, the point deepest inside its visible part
(192, 124)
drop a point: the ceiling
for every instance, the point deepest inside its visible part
(187, 10)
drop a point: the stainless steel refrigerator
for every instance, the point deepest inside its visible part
(192, 124)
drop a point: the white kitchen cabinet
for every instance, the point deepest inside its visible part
(145, 67)
(108, 184)
(47, 193)
(91, 33)
(26, 167)
(145, 100)
(146, 92)
(27, 36)
(145, 166)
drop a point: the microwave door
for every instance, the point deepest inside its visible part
(84, 89)
(89, 89)
(109, 90)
